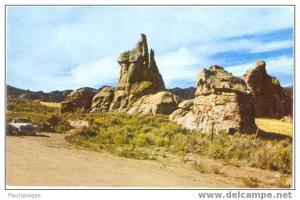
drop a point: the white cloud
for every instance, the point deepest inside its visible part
(281, 65)
(247, 45)
(186, 62)
(50, 39)
(179, 65)
(98, 72)
(276, 65)
(178, 58)
(272, 46)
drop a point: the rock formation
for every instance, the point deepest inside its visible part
(185, 115)
(138, 76)
(78, 99)
(222, 101)
(102, 100)
(138, 84)
(270, 99)
(162, 102)
(289, 91)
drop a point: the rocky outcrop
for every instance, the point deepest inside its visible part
(102, 100)
(222, 101)
(185, 93)
(139, 76)
(270, 99)
(289, 91)
(80, 99)
(162, 102)
(185, 115)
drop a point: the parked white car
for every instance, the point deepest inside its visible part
(22, 125)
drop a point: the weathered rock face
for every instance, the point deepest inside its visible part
(221, 100)
(162, 102)
(78, 99)
(101, 101)
(270, 99)
(139, 76)
(289, 91)
(185, 116)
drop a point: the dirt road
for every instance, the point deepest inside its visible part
(48, 160)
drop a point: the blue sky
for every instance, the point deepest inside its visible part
(56, 48)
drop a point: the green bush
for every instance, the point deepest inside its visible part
(140, 140)
(138, 136)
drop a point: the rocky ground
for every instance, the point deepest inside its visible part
(48, 160)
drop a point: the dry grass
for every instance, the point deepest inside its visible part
(251, 182)
(275, 126)
(139, 136)
(201, 167)
(283, 181)
(50, 104)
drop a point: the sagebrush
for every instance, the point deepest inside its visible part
(149, 136)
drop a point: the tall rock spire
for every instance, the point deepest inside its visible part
(140, 52)
(153, 68)
(152, 63)
(139, 76)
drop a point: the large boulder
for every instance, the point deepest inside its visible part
(160, 103)
(184, 115)
(80, 99)
(101, 101)
(270, 99)
(222, 102)
(139, 76)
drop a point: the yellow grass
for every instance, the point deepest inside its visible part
(275, 126)
(50, 104)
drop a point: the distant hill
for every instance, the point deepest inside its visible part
(58, 96)
(53, 96)
(185, 93)
(13, 92)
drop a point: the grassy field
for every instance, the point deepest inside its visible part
(148, 137)
(275, 126)
(50, 104)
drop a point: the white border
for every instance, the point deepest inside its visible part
(130, 194)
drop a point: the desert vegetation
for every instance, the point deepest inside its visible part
(152, 136)
(46, 117)
(149, 136)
